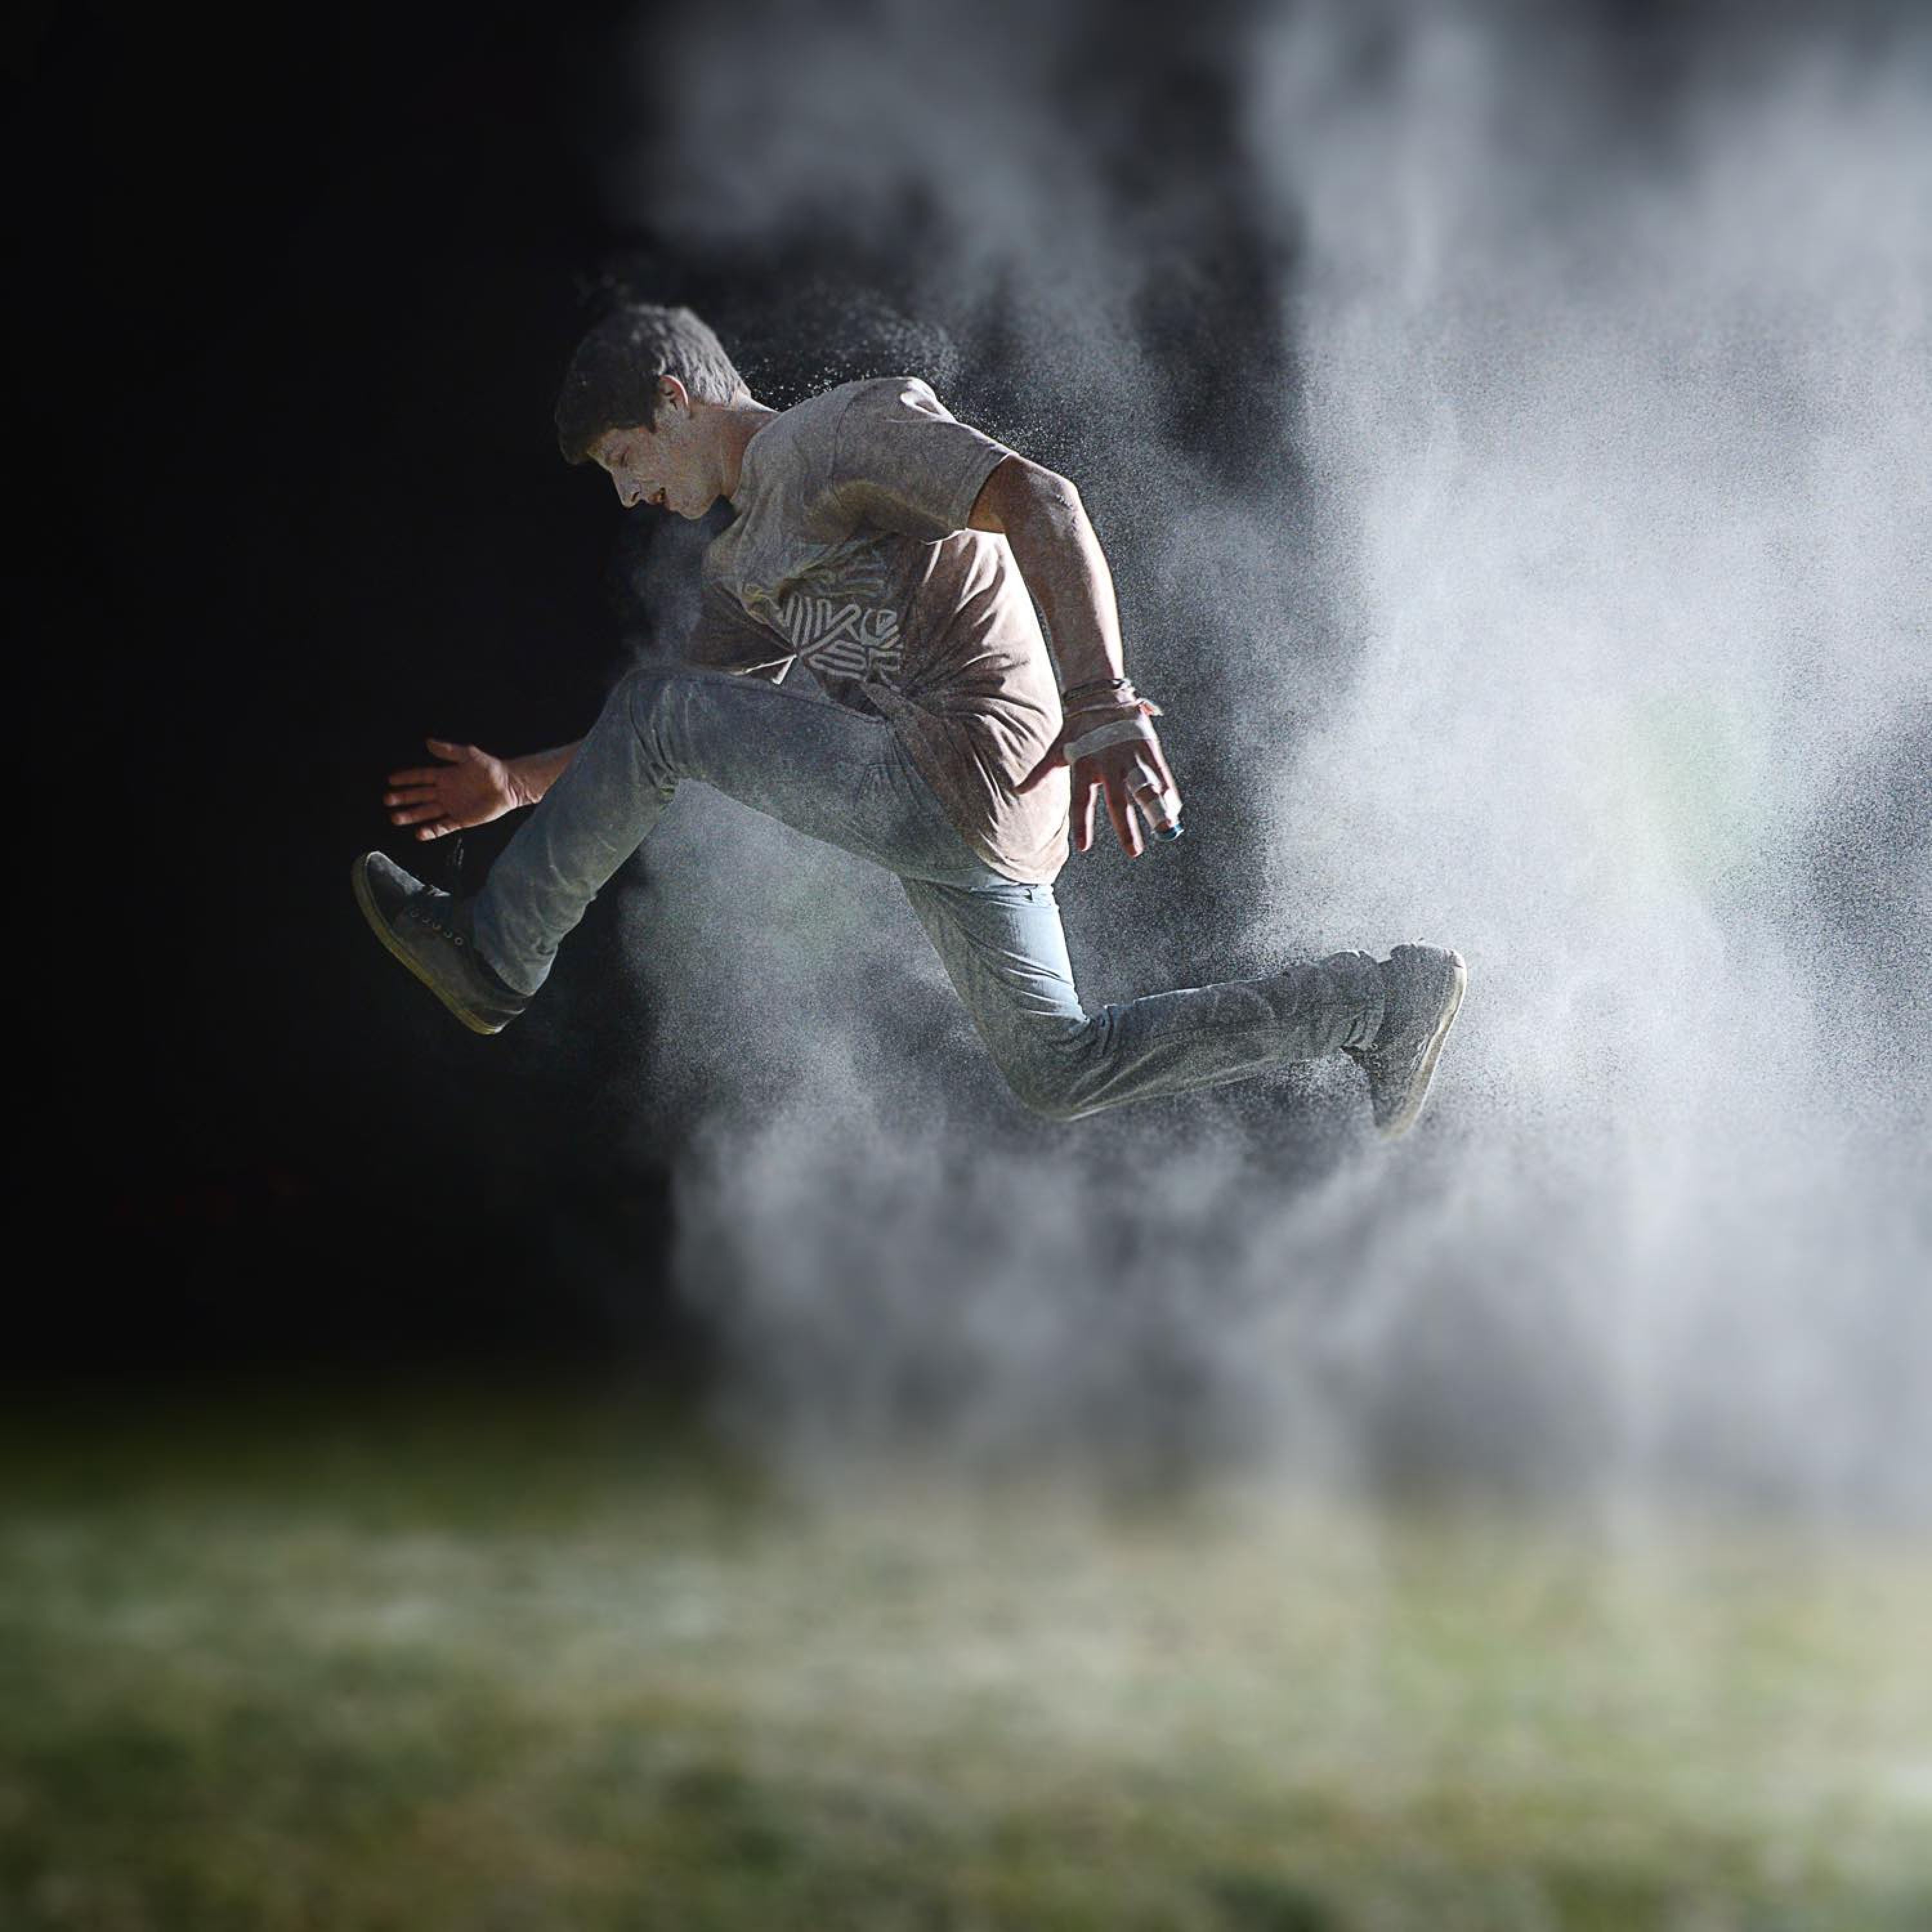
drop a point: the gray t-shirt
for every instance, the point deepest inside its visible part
(850, 554)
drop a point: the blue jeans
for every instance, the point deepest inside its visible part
(846, 778)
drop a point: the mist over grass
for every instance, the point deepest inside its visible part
(1537, 565)
(489, 1661)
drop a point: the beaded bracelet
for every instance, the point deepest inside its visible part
(1133, 702)
(1098, 684)
(1125, 698)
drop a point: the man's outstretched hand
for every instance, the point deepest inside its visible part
(469, 788)
(1120, 773)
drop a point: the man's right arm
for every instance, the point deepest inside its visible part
(469, 787)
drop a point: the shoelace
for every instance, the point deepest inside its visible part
(431, 913)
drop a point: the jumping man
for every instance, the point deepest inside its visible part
(890, 550)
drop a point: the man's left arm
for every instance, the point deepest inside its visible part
(1046, 526)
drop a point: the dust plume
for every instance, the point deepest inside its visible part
(1511, 437)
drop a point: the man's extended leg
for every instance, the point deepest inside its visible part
(1003, 947)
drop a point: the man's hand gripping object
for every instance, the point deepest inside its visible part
(1111, 747)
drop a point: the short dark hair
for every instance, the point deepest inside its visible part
(612, 381)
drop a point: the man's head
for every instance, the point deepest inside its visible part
(635, 399)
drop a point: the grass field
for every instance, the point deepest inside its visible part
(509, 1663)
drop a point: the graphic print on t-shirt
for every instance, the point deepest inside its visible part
(836, 621)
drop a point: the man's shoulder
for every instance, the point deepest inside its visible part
(869, 395)
(810, 425)
(883, 451)
(819, 436)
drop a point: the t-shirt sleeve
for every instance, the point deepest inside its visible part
(901, 461)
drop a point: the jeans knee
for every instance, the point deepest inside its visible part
(639, 691)
(1047, 1086)
(1050, 1103)
(639, 698)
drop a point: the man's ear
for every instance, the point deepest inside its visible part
(671, 390)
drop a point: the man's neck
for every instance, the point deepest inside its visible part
(738, 423)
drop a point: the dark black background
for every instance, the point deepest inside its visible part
(296, 306)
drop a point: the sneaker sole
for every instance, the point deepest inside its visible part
(380, 926)
(1400, 1124)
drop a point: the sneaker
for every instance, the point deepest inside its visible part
(431, 934)
(1423, 988)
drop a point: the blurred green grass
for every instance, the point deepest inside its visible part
(511, 1660)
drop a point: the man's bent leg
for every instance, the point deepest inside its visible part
(1004, 950)
(833, 774)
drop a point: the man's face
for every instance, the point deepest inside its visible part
(672, 467)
